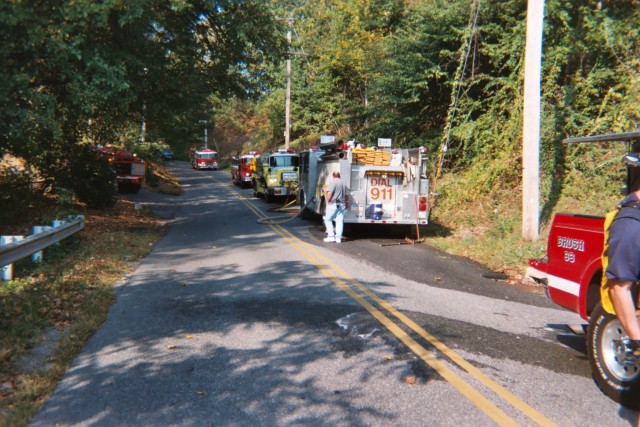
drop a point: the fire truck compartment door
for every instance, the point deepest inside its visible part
(381, 190)
(137, 169)
(409, 205)
(358, 204)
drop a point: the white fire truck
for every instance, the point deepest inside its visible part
(386, 186)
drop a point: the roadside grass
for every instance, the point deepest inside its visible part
(490, 235)
(49, 311)
(164, 181)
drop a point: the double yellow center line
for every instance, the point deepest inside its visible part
(358, 292)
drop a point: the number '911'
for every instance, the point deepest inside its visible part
(384, 193)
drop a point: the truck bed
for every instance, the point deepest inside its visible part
(572, 268)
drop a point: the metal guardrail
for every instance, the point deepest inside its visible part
(12, 252)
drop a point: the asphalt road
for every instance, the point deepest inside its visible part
(231, 322)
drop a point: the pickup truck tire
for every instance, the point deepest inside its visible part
(127, 187)
(619, 381)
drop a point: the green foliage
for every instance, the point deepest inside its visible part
(65, 206)
(80, 71)
(416, 73)
(427, 72)
(90, 177)
(16, 194)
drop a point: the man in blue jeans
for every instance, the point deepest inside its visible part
(335, 199)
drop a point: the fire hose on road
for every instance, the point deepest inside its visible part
(278, 220)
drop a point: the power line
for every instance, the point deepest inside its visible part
(457, 90)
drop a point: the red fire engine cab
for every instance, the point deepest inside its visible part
(204, 158)
(243, 168)
(571, 273)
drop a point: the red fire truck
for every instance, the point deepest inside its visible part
(571, 273)
(130, 169)
(243, 168)
(204, 158)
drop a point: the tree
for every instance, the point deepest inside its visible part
(341, 40)
(79, 72)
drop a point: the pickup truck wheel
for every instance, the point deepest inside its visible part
(616, 373)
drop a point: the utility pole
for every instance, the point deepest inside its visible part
(205, 132)
(143, 125)
(287, 125)
(531, 121)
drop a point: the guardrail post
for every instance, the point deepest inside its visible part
(57, 223)
(37, 257)
(7, 270)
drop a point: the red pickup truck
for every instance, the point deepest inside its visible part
(571, 273)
